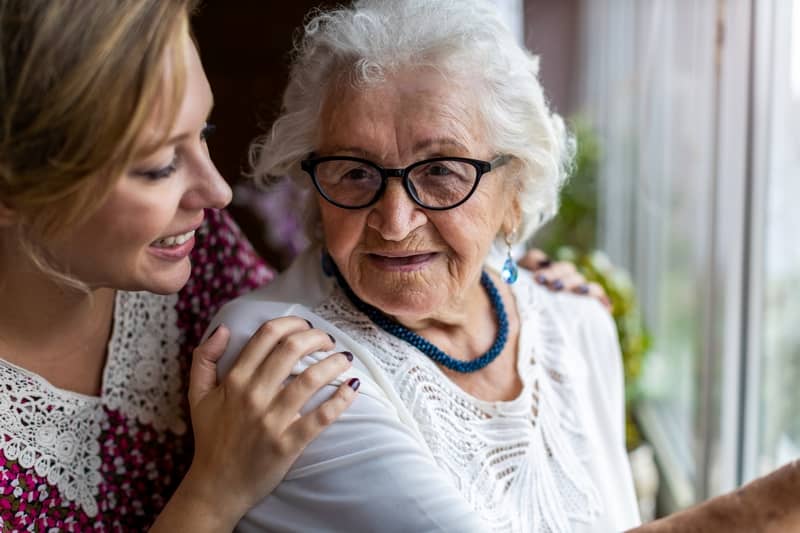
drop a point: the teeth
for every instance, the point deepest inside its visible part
(175, 240)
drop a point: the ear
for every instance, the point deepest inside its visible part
(513, 217)
(8, 217)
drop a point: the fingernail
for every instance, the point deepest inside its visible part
(544, 263)
(557, 285)
(215, 331)
(541, 278)
(349, 356)
(332, 339)
(582, 289)
(354, 383)
(309, 324)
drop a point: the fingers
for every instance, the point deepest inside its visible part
(274, 369)
(555, 274)
(203, 374)
(574, 282)
(263, 342)
(534, 259)
(307, 427)
(562, 276)
(300, 390)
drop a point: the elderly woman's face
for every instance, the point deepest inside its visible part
(410, 262)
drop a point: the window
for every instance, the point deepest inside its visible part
(697, 104)
(775, 436)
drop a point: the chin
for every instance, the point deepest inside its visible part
(400, 302)
(168, 282)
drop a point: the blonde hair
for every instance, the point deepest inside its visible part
(78, 82)
(465, 40)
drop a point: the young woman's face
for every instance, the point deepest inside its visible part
(141, 237)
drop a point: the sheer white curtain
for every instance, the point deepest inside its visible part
(648, 88)
(697, 105)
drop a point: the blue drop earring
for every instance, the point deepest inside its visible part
(510, 271)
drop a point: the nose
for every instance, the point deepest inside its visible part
(395, 215)
(208, 188)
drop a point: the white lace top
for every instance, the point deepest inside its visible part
(417, 453)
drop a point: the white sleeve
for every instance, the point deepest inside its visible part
(604, 407)
(366, 472)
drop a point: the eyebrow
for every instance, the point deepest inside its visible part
(439, 141)
(421, 145)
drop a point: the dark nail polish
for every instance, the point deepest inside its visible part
(541, 278)
(332, 339)
(310, 324)
(583, 289)
(544, 263)
(349, 356)
(354, 383)
(557, 285)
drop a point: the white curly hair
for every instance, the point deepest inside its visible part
(464, 39)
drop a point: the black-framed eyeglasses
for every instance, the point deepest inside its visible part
(438, 183)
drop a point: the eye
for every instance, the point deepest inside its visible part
(159, 173)
(437, 169)
(207, 131)
(357, 174)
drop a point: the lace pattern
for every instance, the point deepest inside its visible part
(56, 432)
(520, 463)
(143, 379)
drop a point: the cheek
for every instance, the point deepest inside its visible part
(470, 230)
(342, 229)
(134, 220)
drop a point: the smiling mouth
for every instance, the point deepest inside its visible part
(402, 262)
(173, 241)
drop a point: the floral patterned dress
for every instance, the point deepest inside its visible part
(71, 462)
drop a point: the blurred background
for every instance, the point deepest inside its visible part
(687, 115)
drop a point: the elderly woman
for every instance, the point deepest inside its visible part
(486, 402)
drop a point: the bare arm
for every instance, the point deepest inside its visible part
(770, 504)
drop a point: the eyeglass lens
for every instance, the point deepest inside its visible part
(439, 184)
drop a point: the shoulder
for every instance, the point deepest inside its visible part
(582, 341)
(303, 284)
(294, 292)
(582, 318)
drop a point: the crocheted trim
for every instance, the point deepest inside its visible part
(520, 463)
(143, 378)
(55, 432)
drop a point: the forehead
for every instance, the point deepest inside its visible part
(400, 114)
(173, 112)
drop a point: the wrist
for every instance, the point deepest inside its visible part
(200, 506)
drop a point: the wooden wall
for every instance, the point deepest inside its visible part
(245, 47)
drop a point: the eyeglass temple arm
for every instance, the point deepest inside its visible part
(500, 160)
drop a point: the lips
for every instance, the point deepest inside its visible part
(403, 262)
(175, 247)
(178, 239)
(174, 240)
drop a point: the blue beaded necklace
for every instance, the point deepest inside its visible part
(426, 347)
